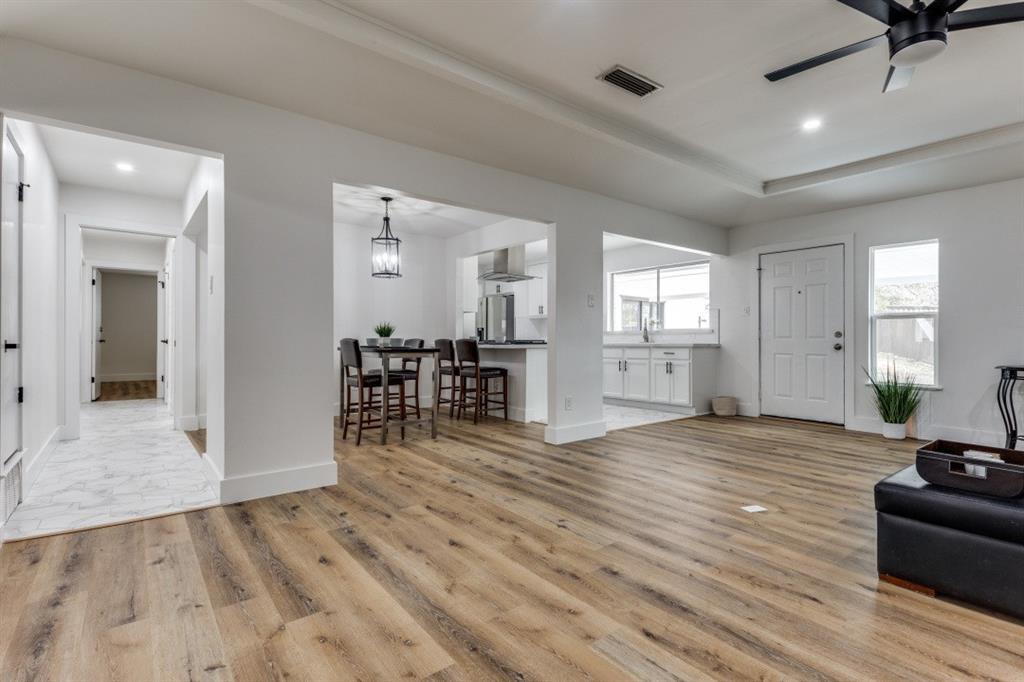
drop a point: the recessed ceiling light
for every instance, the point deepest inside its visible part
(124, 167)
(811, 124)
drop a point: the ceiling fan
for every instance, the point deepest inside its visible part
(915, 35)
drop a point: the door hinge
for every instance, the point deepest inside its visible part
(21, 394)
(94, 281)
(161, 378)
(21, 190)
(162, 284)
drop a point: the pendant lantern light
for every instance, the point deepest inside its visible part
(387, 262)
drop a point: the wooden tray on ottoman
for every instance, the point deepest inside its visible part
(942, 462)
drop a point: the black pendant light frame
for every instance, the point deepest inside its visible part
(389, 264)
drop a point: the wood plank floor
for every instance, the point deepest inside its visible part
(489, 555)
(127, 390)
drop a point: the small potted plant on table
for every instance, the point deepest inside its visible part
(384, 330)
(897, 399)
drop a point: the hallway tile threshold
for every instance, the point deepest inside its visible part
(129, 464)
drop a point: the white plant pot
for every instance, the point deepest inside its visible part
(894, 431)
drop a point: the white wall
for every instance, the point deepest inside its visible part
(415, 303)
(41, 311)
(278, 259)
(109, 247)
(981, 288)
(95, 202)
(129, 327)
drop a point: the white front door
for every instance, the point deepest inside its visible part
(10, 298)
(803, 337)
(97, 330)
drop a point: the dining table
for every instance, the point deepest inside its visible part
(389, 353)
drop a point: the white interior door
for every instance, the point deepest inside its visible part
(161, 333)
(97, 331)
(10, 298)
(803, 338)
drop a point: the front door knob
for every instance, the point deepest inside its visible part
(838, 346)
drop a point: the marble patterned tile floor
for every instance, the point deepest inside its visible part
(621, 417)
(129, 463)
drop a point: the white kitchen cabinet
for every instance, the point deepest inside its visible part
(677, 376)
(537, 289)
(637, 374)
(612, 378)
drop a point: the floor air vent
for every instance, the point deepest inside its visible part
(630, 81)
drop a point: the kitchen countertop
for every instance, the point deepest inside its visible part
(511, 346)
(641, 344)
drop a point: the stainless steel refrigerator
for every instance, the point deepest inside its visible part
(496, 315)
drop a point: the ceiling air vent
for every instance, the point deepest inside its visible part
(630, 81)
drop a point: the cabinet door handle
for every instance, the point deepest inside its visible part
(670, 370)
(625, 365)
(620, 365)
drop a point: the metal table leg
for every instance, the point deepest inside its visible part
(1008, 378)
(436, 397)
(385, 399)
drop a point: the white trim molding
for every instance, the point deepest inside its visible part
(556, 435)
(267, 483)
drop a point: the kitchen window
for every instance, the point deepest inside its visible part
(671, 297)
(905, 310)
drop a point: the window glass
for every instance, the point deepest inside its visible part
(905, 308)
(671, 297)
(907, 278)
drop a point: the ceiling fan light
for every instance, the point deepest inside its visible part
(918, 52)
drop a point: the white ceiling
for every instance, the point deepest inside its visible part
(716, 107)
(87, 159)
(363, 206)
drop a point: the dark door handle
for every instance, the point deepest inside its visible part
(101, 340)
(838, 346)
(163, 340)
(9, 346)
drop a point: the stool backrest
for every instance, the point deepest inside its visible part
(351, 356)
(447, 353)
(412, 362)
(414, 343)
(469, 352)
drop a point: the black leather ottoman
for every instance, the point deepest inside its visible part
(958, 544)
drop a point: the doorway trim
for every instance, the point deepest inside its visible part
(73, 260)
(849, 316)
(10, 461)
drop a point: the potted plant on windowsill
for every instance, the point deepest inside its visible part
(896, 398)
(384, 330)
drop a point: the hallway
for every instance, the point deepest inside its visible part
(129, 464)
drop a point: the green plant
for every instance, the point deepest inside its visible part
(896, 397)
(384, 329)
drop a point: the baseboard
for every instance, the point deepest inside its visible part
(660, 407)
(558, 435)
(214, 475)
(747, 409)
(34, 466)
(144, 376)
(188, 422)
(934, 431)
(265, 484)
(201, 421)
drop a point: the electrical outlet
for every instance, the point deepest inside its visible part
(568, 403)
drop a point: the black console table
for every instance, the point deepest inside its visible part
(1009, 375)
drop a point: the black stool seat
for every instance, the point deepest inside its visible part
(407, 373)
(374, 380)
(492, 372)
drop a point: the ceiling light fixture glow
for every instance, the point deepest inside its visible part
(811, 124)
(124, 167)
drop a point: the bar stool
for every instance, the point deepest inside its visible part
(409, 371)
(353, 376)
(470, 368)
(447, 367)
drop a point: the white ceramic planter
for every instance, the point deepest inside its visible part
(894, 431)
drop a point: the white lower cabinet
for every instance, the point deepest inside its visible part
(678, 376)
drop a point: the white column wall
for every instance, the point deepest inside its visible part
(277, 281)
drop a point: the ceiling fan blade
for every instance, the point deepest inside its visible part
(943, 6)
(986, 16)
(897, 78)
(794, 69)
(888, 12)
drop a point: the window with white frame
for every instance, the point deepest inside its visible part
(905, 310)
(665, 297)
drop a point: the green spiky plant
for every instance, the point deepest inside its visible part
(384, 329)
(896, 397)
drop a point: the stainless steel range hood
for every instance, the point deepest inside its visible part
(509, 266)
